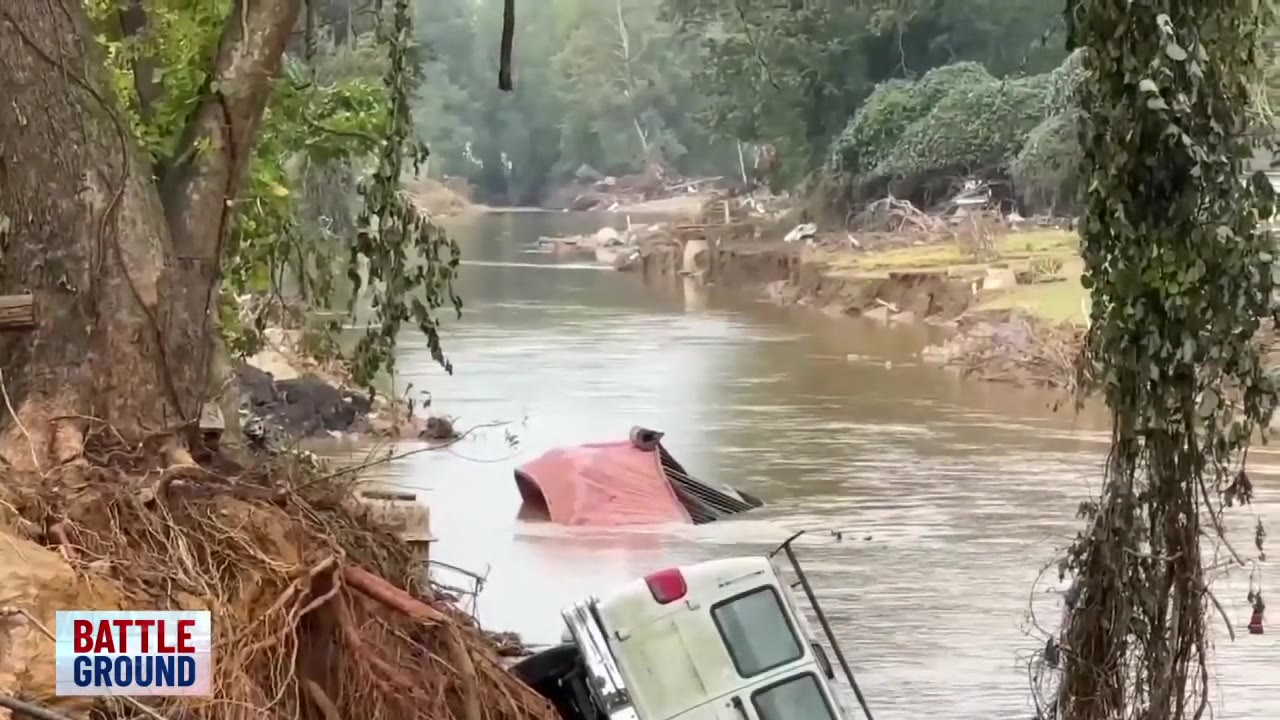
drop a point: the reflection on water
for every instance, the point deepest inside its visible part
(949, 495)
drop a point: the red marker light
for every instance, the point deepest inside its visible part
(667, 586)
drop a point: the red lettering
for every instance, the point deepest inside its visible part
(83, 637)
(104, 642)
(160, 646)
(122, 627)
(184, 636)
(145, 626)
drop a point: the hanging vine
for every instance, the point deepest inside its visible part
(1180, 271)
(408, 261)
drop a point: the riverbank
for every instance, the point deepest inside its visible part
(442, 199)
(286, 394)
(1014, 312)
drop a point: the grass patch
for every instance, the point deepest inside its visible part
(1057, 301)
(1014, 249)
(1061, 301)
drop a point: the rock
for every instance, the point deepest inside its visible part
(586, 173)
(780, 292)
(805, 231)
(981, 330)
(585, 202)
(879, 314)
(300, 407)
(905, 317)
(999, 279)
(438, 428)
(275, 363)
(834, 310)
(935, 354)
(607, 236)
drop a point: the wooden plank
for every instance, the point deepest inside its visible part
(17, 313)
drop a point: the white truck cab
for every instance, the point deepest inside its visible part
(722, 639)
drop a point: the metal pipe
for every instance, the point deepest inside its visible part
(826, 626)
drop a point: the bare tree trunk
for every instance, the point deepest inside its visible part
(123, 281)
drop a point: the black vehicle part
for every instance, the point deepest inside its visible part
(704, 502)
(558, 675)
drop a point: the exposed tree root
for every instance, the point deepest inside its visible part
(318, 611)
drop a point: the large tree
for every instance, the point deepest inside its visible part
(123, 265)
(122, 232)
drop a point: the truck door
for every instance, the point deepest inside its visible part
(799, 696)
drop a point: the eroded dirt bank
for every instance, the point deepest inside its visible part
(1016, 317)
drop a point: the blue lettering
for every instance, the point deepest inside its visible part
(83, 669)
(164, 672)
(144, 672)
(124, 670)
(139, 671)
(102, 671)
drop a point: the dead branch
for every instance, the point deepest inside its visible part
(393, 597)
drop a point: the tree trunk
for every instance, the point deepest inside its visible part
(123, 283)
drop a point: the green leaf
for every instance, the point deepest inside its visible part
(1175, 51)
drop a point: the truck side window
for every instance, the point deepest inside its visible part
(797, 698)
(756, 631)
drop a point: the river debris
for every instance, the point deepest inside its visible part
(1011, 347)
(286, 394)
(619, 249)
(319, 610)
(591, 190)
(628, 482)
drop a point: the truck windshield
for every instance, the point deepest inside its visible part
(797, 698)
(756, 631)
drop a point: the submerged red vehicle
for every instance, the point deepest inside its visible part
(629, 482)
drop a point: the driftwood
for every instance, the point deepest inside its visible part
(17, 313)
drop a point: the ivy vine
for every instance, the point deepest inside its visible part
(1180, 269)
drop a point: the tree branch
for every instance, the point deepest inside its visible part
(198, 190)
(133, 24)
(225, 122)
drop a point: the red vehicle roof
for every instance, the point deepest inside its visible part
(602, 484)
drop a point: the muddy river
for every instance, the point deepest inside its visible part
(950, 494)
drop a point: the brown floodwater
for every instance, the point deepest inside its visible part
(950, 494)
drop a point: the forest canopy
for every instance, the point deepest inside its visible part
(621, 85)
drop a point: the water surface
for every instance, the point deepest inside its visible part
(950, 495)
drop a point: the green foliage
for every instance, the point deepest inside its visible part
(969, 128)
(605, 84)
(389, 226)
(1181, 274)
(329, 117)
(957, 119)
(874, 132)
(794, 73)
(1046, 172)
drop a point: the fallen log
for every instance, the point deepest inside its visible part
(17, 313)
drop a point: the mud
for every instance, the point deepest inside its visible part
(306, 406)
(1004, 346)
